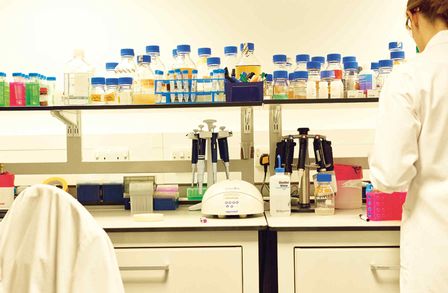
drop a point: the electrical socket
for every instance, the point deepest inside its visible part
(181, 154)
(112, 155)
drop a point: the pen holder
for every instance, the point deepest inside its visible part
(244, 91)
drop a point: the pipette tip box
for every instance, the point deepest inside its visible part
(244, 92)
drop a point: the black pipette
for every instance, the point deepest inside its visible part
(224, 154)
(289, 154)
(214, 151)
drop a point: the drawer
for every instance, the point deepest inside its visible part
(347, 270)
(198, 269)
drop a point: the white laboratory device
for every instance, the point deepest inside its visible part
(232, 198)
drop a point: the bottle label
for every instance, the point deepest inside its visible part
(336, 90)
(337, 74)
(365, 82)
(311, 89)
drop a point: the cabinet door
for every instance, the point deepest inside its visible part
(347, 270)
(181, 269)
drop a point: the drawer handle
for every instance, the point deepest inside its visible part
(384, 267)
(146, 268)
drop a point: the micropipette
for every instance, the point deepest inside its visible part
(194, 155)
(303, 149)
(214, 151)
(224, 151)
(201, 160)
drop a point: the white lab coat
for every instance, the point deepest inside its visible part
(411, 152)
(50, 243)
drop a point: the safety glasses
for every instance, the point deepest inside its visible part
(408, 18)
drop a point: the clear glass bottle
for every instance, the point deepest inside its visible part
(300, 84)
(110, 69)
(291, 79)
(111, 94)
(326, 77)
(160, 87)
(268, 88)
(173, 61)
(51, 84)
(230, 59)
(320, 59)
(213, 63)
(384, 71)
(184, 61)
(334, 63)
(156, 61)
(280, 61)
(248, 62)
(398, 57)
(324, 195)
(126, 67)
(351, 80)
(301, 61)
(281, 85)
(97, 90)
(17, 90)
(203, 54)
(125, 90)
(395, 46)
(144, 82)
(4, 90)
(312, 87)
(367, 81)
(77, 76)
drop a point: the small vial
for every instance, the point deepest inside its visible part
(326, 77)
(300, 84)
(160, 87)
(267, 87)
(194, 85)
(111, 95)
(281, 85)
(125, 90)
(301, 61)
(97, 90)
(280, 61)
(179, 86)
(172, 86)
(186, 85)
(218, 78)
(313, 68)
(351, 80)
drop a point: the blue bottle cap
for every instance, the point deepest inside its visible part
(250, 46)
(351, 66)
(386, 63)
(152, 49)
(177, 70)
(334, 57)
(174, 52)
(395, 46)
(158, 72)
(324, 74)
(279, 163)
(125, 80)
(195, 71)
(323, 177)
(97, 80)
(33, 74)
(143, 59)
(127, 52)
(313, 65)
(349, 59)
(185, 71)
(291, 76)
(369, 187)
(320, 59)
(16, 74)
(204, 51)
(279, 58)
(230, 49)
(183, 49)
(397, 55)
(170, 72)
(268, 77)
(301, 75)
(112, 81)
(302, 58)
(374, 65)
(51, 78)
(2, 74)
(111, 65)
(213, 61)
(26, 76)
(280, 74)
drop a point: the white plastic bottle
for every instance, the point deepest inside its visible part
(280, 193)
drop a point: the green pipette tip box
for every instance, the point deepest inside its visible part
(193, 193)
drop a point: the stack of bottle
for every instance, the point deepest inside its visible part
(31, 89)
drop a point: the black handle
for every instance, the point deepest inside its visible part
(303, 148)
(194, 151)
(328, 155)
(280, 151)
(289, 155)
(223, 149)
(318, 154)
(214, 147)
(202, 145)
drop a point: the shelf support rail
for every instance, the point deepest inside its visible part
(72, 119)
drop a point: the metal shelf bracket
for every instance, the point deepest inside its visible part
(72, 119)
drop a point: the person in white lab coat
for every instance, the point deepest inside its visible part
(411, 149)
(49, 243)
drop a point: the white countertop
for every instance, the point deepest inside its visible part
(341, 220)
(180, 220)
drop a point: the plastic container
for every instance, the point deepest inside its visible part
(111, 94)
(156, 62)
(384, 206)
(300, 84)
(77, 76)
(183, 59)
(280, 61)
(88, 193)
(324, 195)
(352, 80)
(97, 90)
(280, 194)
(301, 61)
(398, 57)
(17, 90)
(144, 89)
(113, 193)
(244, 91)
(4, 90)
(384, 71)
(280, 91)
(33, 90)
(334, 63)
(110, 69)
(52, 95)
(230, 59)
(125, 90)
(312, 87)
(268, 87)
(203, 54)
(248, 62)
(127, 66)
(326, 77)
(349, 186)
(6, 189)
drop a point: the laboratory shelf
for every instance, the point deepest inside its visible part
(120, 107)
(320, 101)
